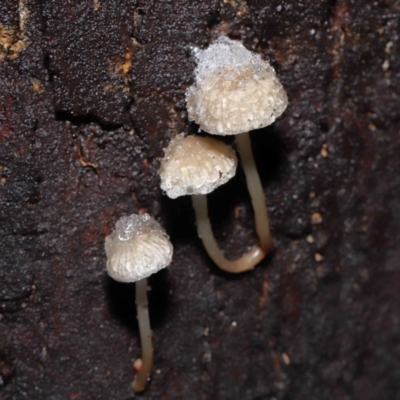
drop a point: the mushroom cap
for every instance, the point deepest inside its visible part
(235, 90)
(196, 165)
(137, 248)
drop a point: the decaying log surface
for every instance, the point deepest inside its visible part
(91, 91)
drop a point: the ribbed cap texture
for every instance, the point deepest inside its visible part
(196, 165)
(235, 90)
(137, 248)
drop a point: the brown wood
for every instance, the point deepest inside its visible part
(90, 94)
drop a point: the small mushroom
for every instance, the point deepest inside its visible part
(137, 248)
(196, 166)
(236, 91)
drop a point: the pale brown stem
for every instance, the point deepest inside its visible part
(204, 230)
(256, 191)
(142, 377)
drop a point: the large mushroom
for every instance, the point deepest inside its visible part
(195, 166)
(136, 249)
(235, 92)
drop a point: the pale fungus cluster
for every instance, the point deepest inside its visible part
(235, 91)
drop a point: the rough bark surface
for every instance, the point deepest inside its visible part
(91, 91)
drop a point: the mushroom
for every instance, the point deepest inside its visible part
(136, 249)
(236, 91)
(195, 166)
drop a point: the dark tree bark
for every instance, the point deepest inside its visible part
(91, 91)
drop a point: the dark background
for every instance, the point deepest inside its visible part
(90, 94)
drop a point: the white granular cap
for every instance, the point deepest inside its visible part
(137, 248)
(235, 90)
(196, 165)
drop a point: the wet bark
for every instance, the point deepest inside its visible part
(90, 94)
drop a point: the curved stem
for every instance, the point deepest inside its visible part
(140, 381)
(256, 191)
(204, 230)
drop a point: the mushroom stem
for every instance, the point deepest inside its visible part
(246, 262)
(256, 191)
(140, 381)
